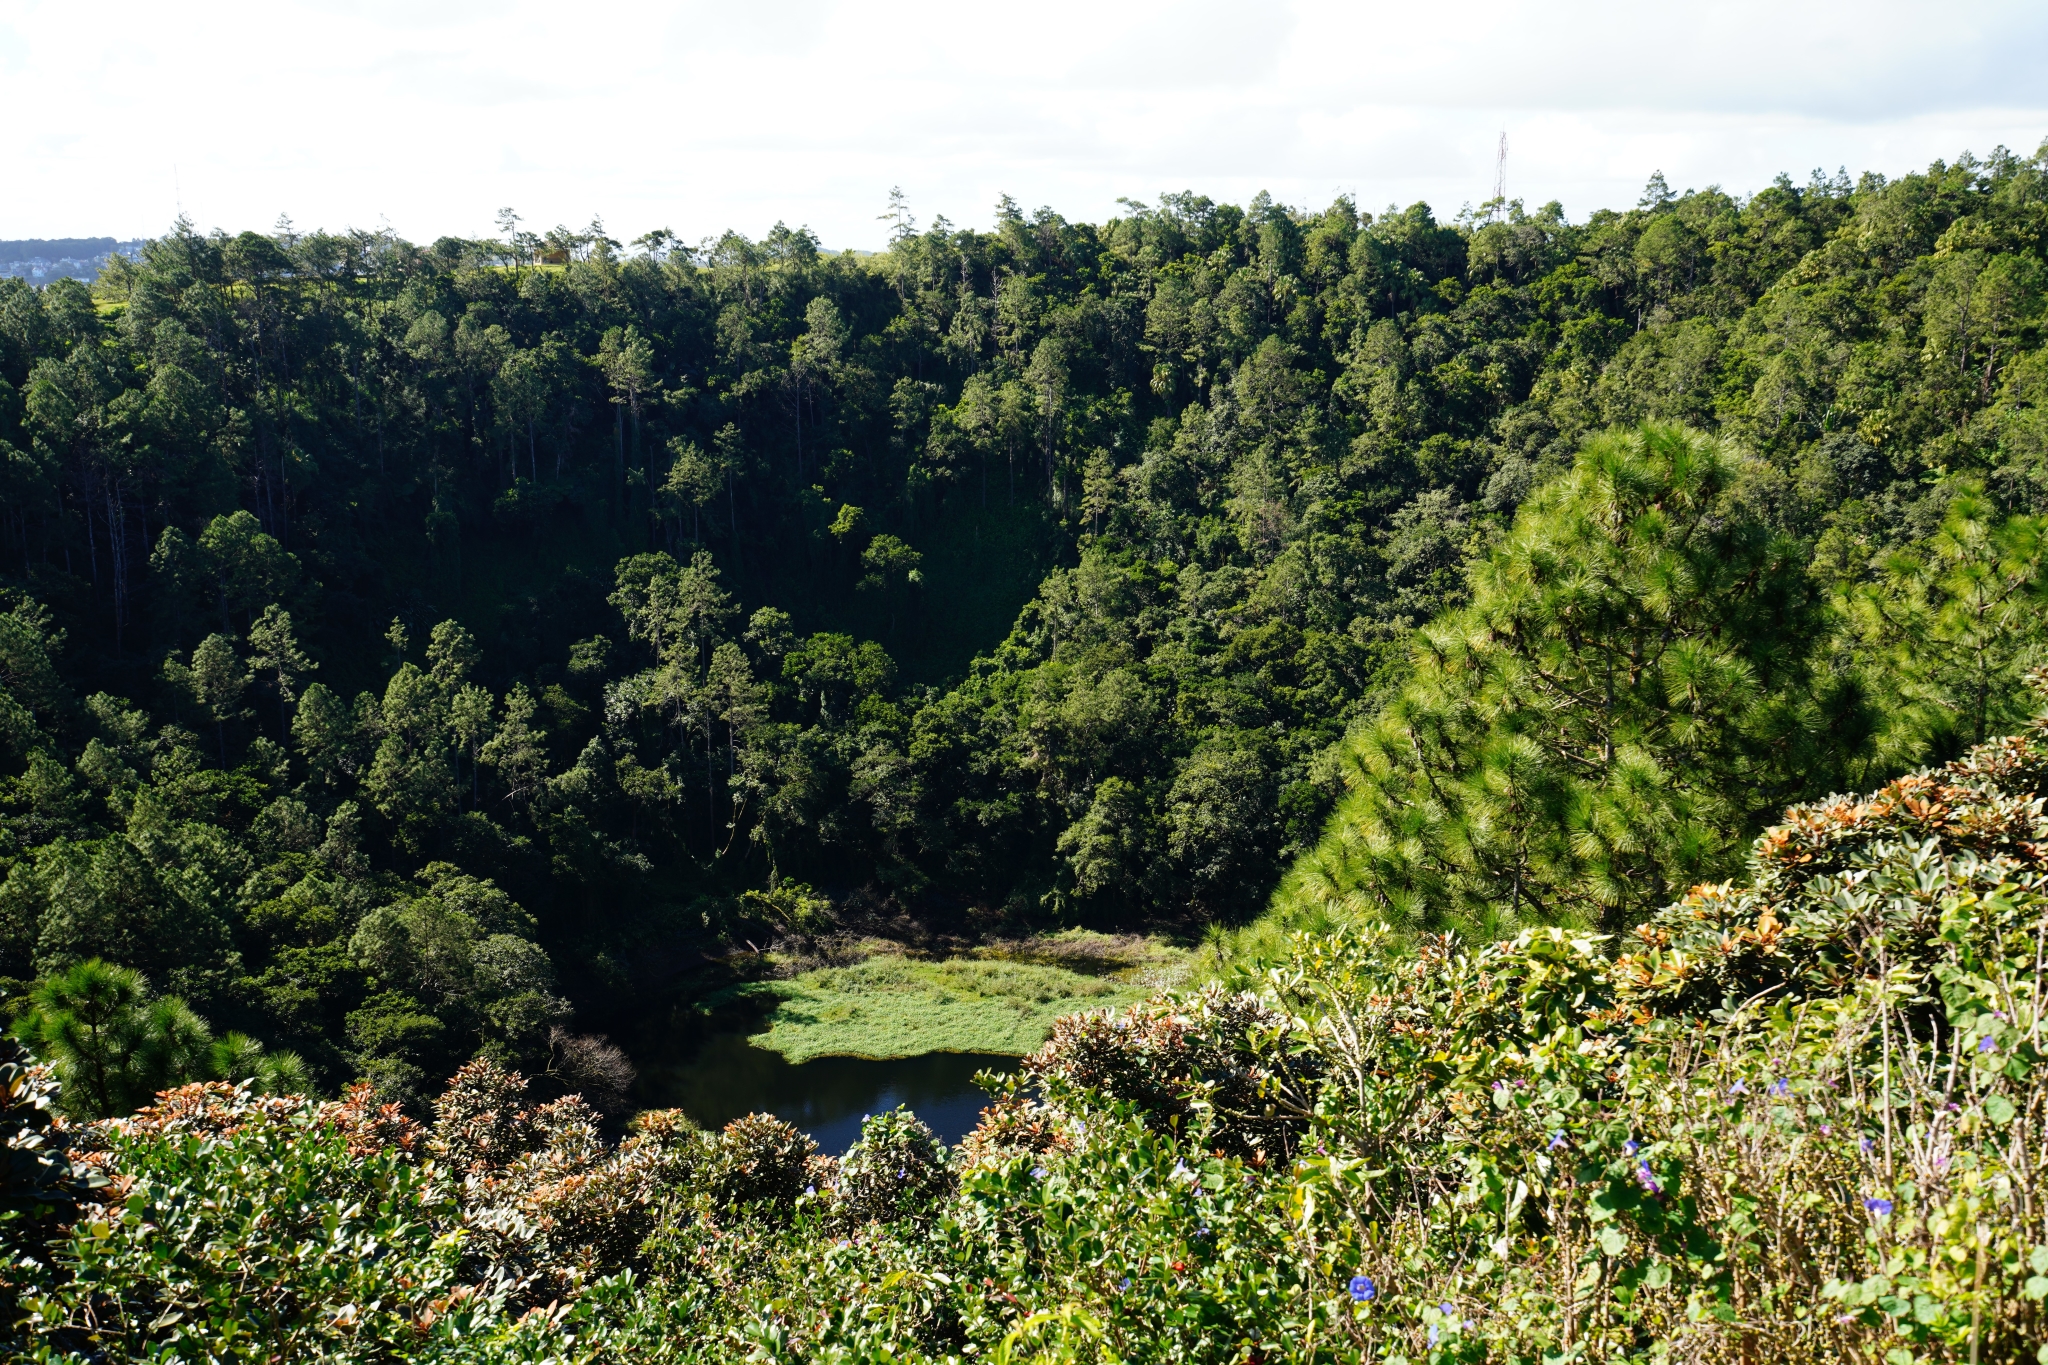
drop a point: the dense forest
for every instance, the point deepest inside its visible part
(1455, 636)
(411, 650)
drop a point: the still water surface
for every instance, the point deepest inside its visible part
(827, 1097)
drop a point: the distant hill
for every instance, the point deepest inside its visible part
(49, 258)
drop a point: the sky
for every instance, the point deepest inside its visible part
(429, 115)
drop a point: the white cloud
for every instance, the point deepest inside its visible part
(699, 116)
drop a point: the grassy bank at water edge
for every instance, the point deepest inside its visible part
(894, 1006)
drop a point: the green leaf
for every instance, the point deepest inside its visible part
(1613, 1241)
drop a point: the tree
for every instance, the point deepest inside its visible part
(673, 607)
(693, 481)
(519, 391)
(517, 751)
(1632, 690)
(890, 565)
(328, 738)
(1050, 383)
(815, 358)
(1098, 487)
(248, 566)
(115, 1044)
(452, 654)
(215, 680)
(469, 722)
(274, 649)
(32, 695)
(1949, 629)
(628, 364)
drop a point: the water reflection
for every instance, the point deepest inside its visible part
(827, 1097)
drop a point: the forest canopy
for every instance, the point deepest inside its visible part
(418, 652)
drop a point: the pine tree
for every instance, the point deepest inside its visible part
(1631, 691)
(1949, 629)
(274, 649)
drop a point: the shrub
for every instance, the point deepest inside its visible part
(896, 1170)
(481, 1121)
(255, 1242)
(1200, 1063)
(1852, 887)
(757, 1160)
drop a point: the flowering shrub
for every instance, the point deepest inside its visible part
(1851, 887)
(896, 1170)
(1206, 1062)
(758, 1159)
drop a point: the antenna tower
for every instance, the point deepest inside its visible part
(1500, 178)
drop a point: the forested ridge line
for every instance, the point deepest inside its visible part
(409, 648)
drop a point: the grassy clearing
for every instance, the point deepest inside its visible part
(998, 1001)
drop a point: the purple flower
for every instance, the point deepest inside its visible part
(1738, 1089)
(1557, 1139)
(1363, 1290)
(1881, 1207)
(810, 1189)
(1433, 1334)
(1781, 1087)
(1866, 1144)
(1987, 1044)
(1126, 1283)
(1038, 1172)
(1631, 1146)
(1647, 1178)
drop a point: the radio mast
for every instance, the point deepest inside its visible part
(1500, 178)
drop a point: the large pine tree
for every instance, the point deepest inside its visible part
(1633, 688)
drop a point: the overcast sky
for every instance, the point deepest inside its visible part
(431, 114)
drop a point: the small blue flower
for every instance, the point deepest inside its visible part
(1201, 1232)
(1866, 1144)
(1881, 1207)
(1447, 1309)
(1631, 1146)
(1126, 1283)
(811, 1189)
(1781, 1087)
(1433, 1334)
(1987, 1044)
(1363, 1290)
(1647, 1178)
(1557, 1139)
(1738, 1089)
(1038, 1172)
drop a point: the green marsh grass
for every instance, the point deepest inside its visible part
(895, 1006)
